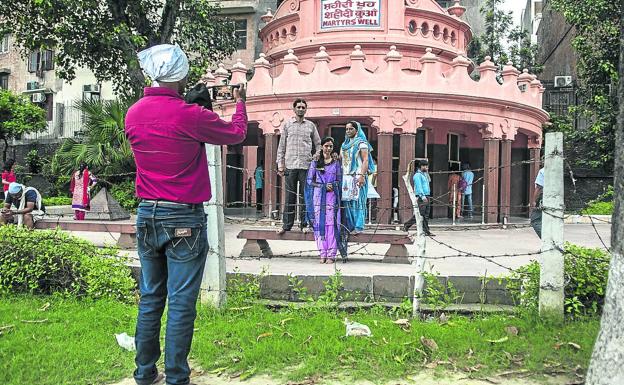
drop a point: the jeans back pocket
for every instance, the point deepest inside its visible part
(185, 240)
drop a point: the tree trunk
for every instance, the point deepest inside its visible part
(4, 151)
(607, 362)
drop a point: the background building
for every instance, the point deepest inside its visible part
(399, 69)
(35, 77)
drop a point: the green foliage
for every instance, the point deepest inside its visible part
(47, 262)
(18, 116)
(104, 148)
(244, 289)
(112, 32)
(586, 271)
(56, 201)
(501, 42)
(125, 194)
(34, 161)
(597, 44)
(603, 205)
(437, 294)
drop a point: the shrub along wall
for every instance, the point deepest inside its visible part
(48, 262)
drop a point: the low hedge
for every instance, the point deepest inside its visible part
(49, 262)
(585, 272)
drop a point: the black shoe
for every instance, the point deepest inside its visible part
(404, 228)
(430, 234)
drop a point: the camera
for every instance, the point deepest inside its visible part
(224, 91)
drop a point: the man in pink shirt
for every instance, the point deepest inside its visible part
(167, 137)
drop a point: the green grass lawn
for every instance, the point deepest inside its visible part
(76, 345)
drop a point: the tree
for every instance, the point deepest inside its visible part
(18, 116)
(597, 44)
(606, 366)
(104, 147)
(105, 36)
(501, 42)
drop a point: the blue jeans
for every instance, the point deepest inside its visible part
(468, 203)
(172, 245)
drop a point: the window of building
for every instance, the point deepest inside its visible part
(240, 30)
(4, 81)
(4, 44)
(421, 143)
(444, 3)
(41, 60)
(452, 141)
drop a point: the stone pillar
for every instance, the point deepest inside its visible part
(384, 177)
(490, 179)
(270, 173)
(406, 155)
(505, 180)
(534, 166)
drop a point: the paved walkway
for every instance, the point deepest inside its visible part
(301, 257)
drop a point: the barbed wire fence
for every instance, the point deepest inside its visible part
(361, 249)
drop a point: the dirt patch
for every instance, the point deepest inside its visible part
(424, 378)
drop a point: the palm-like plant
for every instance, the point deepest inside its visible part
(104, 147)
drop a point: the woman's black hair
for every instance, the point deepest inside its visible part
(8, 164)
(320, 164)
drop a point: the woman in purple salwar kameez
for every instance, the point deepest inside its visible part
(323, 201)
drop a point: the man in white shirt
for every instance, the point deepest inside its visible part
(536, 203)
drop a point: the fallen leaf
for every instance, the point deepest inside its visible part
(6, 328)
(429, 343)
(471, 369)
(402, 322)
(236, 359)
(35, 321)
(196, 373)
(218, 371)
(248, 373)
(45, 306)
(240, 308)
(512, 372)
(574, 345)
(287, 334)
(432, 365)
(384, 340)
(219, 342)
(283, 322)
(443, 318)
(498, 341)
(264, 335)
(512, 330)
(470, 352)
(236, 374)
(557, 345)
(307, 340)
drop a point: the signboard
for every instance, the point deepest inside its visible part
(349, 14)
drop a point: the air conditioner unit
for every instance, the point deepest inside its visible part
(38, 97)
(93, 88)
(563, 81)
(33, 85)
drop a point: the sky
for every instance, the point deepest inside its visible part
(516, 7)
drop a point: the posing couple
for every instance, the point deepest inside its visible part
(328, 183)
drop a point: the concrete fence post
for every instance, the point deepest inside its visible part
(213, 282)
(551, 295)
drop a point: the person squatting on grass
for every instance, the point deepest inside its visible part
(167, 137)
(28, 205)
(322, 196)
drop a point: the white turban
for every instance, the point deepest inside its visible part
(15, 188)
(164, 63)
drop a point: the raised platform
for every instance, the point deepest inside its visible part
(257, 245)
(126, 228)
